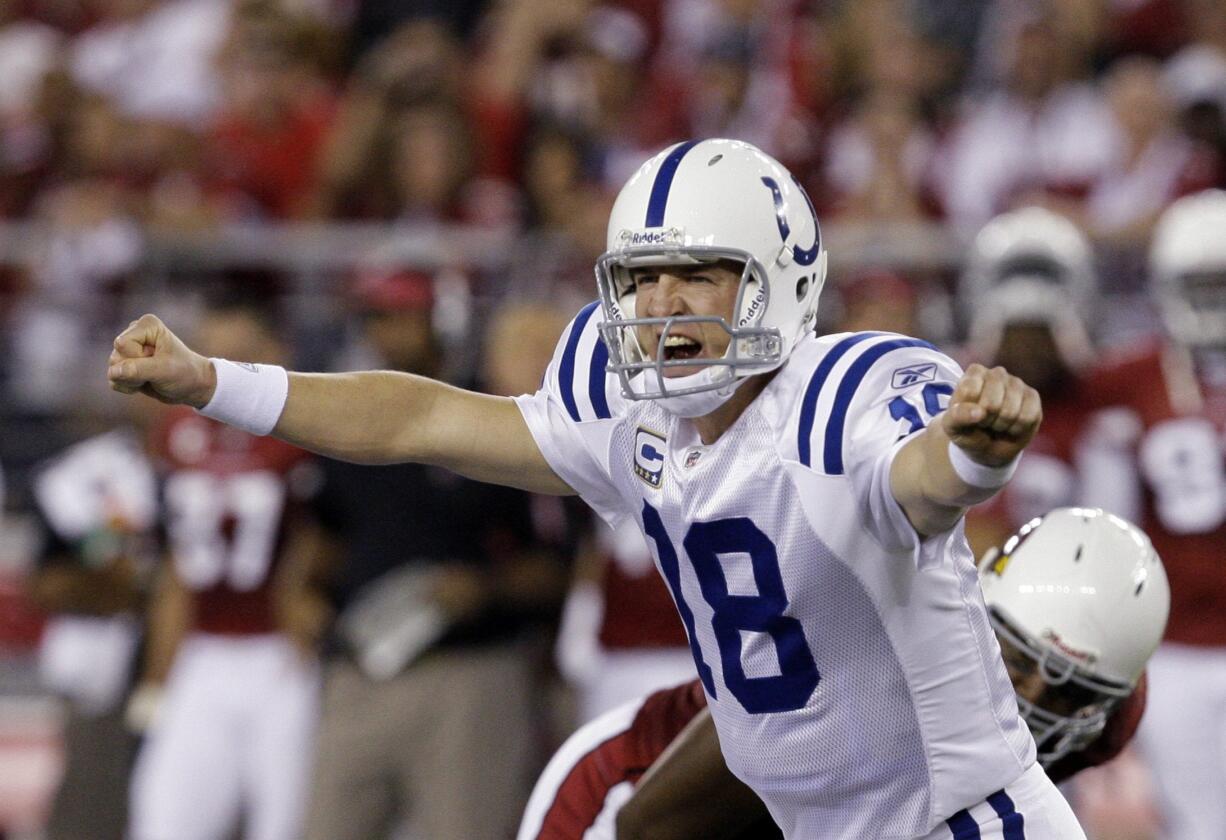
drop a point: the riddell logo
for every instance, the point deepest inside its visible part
(755, 306)
(660, 236)
(1071, 652)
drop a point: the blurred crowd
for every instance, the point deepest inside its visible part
(132, 131)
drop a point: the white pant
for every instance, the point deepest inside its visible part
(1032, 808)
(235, 732)
(1183, 740)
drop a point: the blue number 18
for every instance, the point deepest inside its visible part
(762, 613)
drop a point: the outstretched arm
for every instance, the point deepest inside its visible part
(371, 417)
(992, 416)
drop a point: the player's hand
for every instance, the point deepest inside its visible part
(992, 415)
(149, 358)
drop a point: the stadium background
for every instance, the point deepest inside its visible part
(154, 150)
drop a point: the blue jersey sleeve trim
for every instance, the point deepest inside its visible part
(832, 456)
(808, 406)
(596, 379)
(566, 371)
(663, 183)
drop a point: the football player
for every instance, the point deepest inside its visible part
(231, 736)
(809, 533)
(1029, 289)
(1078, 600)
(1167, 427)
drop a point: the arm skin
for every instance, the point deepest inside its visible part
(372, 417)
(992, 416)
(690, 792)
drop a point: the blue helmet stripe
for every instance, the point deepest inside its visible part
(808, 406)
(963, 826)
(596, 379)
(833, 454)
(663, 183)
(1010, 820)
(566, 372)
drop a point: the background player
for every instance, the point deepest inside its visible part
(1029, 288)
(710, 284)
(1077, 665)
(1170, 401)
(233, 732)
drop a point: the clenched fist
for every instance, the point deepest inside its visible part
(992, 415)
(149, 358)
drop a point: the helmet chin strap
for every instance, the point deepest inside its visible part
(691, 405)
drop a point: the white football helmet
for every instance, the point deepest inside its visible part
(1187, 264)
(1078, 599)
(1030, 265)
(700, 202)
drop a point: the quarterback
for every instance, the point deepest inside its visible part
(802, 495)
(1076, 636)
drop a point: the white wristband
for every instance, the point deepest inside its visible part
(980, 475)
(249, 397)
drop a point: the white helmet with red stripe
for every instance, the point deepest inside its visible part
(702, 202)
(1030, 265)
(1187, 260)
(1079, 600)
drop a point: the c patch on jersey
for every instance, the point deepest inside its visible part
(649, 454)
(905, 377)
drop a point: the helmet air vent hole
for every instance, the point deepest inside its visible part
(715, 160)
(1140, 586)
(802, 288)
(1077, 556)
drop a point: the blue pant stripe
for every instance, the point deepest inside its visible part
(1011, 821)
(963, 825)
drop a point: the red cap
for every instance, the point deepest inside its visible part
(395, 289)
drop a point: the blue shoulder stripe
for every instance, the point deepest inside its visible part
(658, 199)
(808, 406)
(596, 368)
(833, 454)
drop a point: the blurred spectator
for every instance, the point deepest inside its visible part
(401, 146)
(229, 700)
(154, 58)
(878, 299)
(28, 52)
(97, 502)
(568, 216)
(265, 144)
(1152, 163)
(428, 702)
(878, 162)
(1044, 132)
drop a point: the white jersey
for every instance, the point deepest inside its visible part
(853, 677)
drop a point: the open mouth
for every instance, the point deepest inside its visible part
(680, 348)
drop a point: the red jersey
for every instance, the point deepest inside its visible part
(227, 497)
(613, 756)
(1176, 446)
(639, 611)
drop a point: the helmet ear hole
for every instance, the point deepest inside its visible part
(802, 288)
